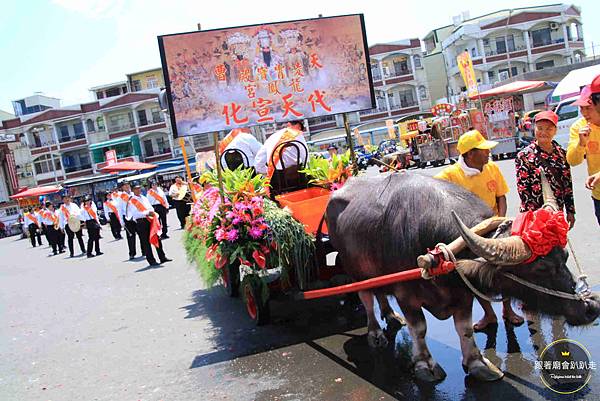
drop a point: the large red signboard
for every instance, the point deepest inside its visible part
(237, 77)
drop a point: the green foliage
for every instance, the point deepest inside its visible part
(238, 181)
(195, 250)
(326, 172)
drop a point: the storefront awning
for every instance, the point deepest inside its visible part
(112, 142)
(515, 88)
(37, 191)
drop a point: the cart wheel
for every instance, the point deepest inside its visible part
(257, 309)
(230, 275)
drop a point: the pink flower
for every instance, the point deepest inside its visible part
(255, 233)
(236, 221)
(220, 234)
(336, 185)
(232, 235)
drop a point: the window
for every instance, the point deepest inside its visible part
(163, 145)
(148, 149)
(113, 92)
(152, 83)
(156, 116)
(64, 133)
(491, 75)
(100, 123)
(407, 98)
(99, 95)
(136, 85)
(417, 61)
(422, 92)
(401, 67)
(142, 117)
(474, 52)
(544, 64)
(567, 111)
(510, 42)
(121, 121)
(90, 125)
(541, 37)
(513, 71)
(78, 128)
(500, 45)
(11, 211)
(43, 164)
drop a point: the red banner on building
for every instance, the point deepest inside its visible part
(12, 172)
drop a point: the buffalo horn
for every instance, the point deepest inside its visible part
(500, 251)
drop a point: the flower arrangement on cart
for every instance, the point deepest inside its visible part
(244, 239)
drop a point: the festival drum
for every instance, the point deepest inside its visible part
(74, 224)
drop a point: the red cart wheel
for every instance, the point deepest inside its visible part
(257, 308)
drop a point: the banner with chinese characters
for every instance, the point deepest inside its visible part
(262, 74)
(465, 65)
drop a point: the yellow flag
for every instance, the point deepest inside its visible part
(391, 129)
(465, 65)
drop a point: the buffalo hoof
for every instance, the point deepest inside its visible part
(394, 321)
(485, 371)
(425, 374)
(376, 339)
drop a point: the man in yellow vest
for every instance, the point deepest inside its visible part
(474, 171)
(584, 138)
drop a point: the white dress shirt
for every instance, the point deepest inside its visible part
(289, 155)
(73, 210)
(174, 190)
(107, 210)
(46, 217)
(133, 213)
(245, 142)
(153, 201)
(85, 216)
(122, 203)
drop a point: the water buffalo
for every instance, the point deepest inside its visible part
(380, 225)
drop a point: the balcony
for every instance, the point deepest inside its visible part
(547, 42)
(121, 127)
(152, 121)
(404, 105)
(158, 152)
(511, 49)
(72, 169)
(64, 139)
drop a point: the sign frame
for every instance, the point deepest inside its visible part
(167, 80)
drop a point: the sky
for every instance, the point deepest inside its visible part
(64, 47)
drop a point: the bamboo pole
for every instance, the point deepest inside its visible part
(218, 166)
(350, 144)
(187, 168)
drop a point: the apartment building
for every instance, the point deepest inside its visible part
(69, 142)
(109, 90)
(507, 43)
(34, 104)
(148, 79)
(400, 83)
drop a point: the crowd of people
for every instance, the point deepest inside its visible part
(542, 163)
(125, 209)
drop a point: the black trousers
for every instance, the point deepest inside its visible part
(115, 225)
(34, 232)
(93, 229)
(162, 215)
(143, 229)
(70, 236)
(130, 232)
(54, 238)
(183, 210)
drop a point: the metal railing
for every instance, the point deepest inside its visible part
(152, 121)
(64, 139)
(72, 169)
(121, 127)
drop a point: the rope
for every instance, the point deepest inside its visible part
(448, 255)
(544, 290)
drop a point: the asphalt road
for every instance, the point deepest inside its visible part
(109, 329)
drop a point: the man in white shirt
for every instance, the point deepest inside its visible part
(50, 222)
(178, 192)
(69, 209)
(140, 211)
(89, 214)
(111, 213)
(263, 157)
(157, 198)
(243, 141)
(130, 226)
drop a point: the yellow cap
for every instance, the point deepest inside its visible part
(473, 140)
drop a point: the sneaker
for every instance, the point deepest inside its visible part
(154, 264)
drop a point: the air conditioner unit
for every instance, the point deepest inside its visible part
(26, 174)
(503, 75)
(554, 26)
(178, 152)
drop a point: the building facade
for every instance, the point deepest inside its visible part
(34, 104)
(69, 142)
(109, 90)
(149, 79)
(507, 43)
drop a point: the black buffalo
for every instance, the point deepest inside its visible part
(380, 225)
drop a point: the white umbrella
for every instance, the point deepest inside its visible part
(572, 83)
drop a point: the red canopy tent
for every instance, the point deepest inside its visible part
(128, 166)
(50, 189)
(514, 88)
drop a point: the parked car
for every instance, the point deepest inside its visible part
(568, 113)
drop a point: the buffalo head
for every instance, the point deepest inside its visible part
(510, 254)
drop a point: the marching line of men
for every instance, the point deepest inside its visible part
(141, 216)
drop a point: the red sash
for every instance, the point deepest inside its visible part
(91, 212)
(65, 212)
(159, 198)
(50, 216)
(229, 138)
(113, 209)
(124, 197)
(155, 227)
(288, 135)
(34, 219)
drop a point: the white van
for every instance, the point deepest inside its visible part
(568, 113)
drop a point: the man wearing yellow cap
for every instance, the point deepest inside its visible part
(475, 172)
